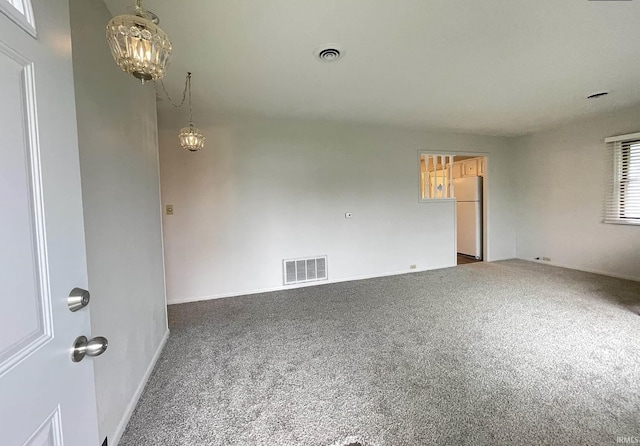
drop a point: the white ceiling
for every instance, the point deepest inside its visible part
(502, 67)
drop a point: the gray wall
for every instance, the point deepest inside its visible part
(267, 190)
(562, 175)
(120, 185)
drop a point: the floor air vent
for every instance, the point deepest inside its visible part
(304, 270)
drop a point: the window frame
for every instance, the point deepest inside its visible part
(620, 148)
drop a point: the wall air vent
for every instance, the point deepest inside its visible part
(308, 269)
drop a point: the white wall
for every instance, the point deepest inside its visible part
(266, 190)
(562, 176)
(120, 186)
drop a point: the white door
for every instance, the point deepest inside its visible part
(45, 398)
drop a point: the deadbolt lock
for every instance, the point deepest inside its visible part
(78, 298)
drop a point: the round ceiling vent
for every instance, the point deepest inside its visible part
(329, 53)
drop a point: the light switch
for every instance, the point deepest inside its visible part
(169, 209)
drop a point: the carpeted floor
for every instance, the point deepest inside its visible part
(488, 353)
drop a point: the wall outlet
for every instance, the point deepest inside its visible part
(412, 267)
(546, 259)
(169, 209)
(348, 215)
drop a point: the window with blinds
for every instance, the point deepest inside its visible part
(622, 205)
(436, 176)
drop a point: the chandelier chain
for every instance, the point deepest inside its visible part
(190, 109)
(187, 86)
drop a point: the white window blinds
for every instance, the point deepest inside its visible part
(623, 197)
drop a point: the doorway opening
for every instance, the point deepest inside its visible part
(462, 178)
(468, 180)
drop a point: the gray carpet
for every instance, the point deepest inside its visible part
(488, 353)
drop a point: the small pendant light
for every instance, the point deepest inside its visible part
(191, 138)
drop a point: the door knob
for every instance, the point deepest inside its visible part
(83, 347)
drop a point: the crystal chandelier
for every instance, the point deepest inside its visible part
(190, 137)
(138, 45)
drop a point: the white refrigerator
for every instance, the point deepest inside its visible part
(468, 193)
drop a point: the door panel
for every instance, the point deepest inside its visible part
(25, 323)
(49, 433)
(21, 13)
(45, 398)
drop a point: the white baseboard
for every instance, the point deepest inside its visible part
(185, 300)
(349, 279)
(585, 270)
(136, 396)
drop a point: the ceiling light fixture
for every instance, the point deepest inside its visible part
(190, 137)
(138, 45)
